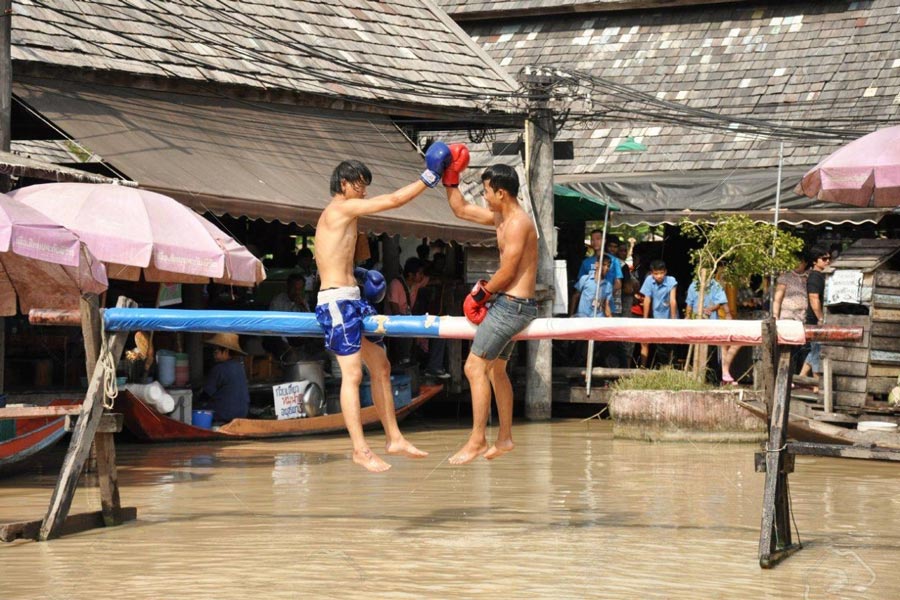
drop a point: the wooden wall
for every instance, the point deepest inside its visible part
(868, 369)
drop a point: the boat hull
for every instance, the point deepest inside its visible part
(149, 426)
(35, 436)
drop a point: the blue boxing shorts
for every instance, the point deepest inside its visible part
(340, 312)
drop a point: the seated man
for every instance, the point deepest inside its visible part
(225, 389)
(293, 299)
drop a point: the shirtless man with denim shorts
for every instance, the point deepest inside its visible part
(340, 309)
(511, 292)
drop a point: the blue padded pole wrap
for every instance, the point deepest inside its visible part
(251, 322)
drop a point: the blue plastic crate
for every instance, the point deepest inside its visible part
(399, 383)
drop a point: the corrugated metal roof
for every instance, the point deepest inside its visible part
(388, 51)
(245, 158)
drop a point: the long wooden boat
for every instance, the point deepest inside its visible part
(35, 436)
(803, 429)
(148, 425)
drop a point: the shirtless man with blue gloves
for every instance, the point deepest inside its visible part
(340, 309)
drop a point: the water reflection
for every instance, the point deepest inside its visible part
(572, 513)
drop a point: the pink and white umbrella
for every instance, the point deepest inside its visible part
(42, 263)
(134, 230)
(865, 172)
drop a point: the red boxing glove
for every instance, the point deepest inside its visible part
(459, 160)
(474, 306)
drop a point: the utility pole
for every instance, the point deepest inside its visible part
(539, 134)
(5, 129)
(5, 78)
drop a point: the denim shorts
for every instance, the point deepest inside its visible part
(814, 358)
(506, 317)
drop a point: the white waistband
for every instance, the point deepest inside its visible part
(351, 292)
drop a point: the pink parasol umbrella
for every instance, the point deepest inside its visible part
(42, 263)
(865, 172)
(134, 230)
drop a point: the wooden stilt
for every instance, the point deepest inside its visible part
(766, 370)
(82, 437)
(775, 533)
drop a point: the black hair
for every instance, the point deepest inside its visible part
(304, 252)
(593, 231)
(293, 278)
(818, 251)
(350, 171)
(658, 265)
(413, 265)
(502, 177)
(613, 239)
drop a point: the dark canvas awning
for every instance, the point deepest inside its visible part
(261, 160)
(657, 198)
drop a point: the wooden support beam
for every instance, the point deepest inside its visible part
(109, 422)
(31, 530)
(26, 412)
(840, 451)
(827, 385)
(596, 372)
(82, 437)
(766, 369)
(759, 462)
(91, 325)
(775, 531)
(108, 478)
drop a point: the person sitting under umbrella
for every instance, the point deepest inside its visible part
(225, 390)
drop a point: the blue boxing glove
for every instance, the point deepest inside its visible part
(436, 160)
(373, 284)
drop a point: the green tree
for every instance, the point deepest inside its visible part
(737, 248)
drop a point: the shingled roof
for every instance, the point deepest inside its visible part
(391, 51)
(801, 64)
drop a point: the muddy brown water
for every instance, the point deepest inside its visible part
(572, 513)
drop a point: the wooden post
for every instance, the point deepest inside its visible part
(82, 437)
(539, 131)
(455, 362)
(5, 129)
(91, 324)
(5, 77)
(766, 370)
(108, 478)
(827, 390)
(775, 531)
(192, 297)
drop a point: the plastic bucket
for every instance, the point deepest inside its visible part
(202, 418)
(182, 369)
(166, 370)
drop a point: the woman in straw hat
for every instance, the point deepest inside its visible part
(225, 389)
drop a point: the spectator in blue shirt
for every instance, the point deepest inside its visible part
(659, 300)
(714, 301)
(586, 291)
(225, 389)
(614, 276)
(590, 290)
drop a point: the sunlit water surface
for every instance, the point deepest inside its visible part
(572, 513)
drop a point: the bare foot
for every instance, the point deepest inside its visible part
(499, 449)
(404, 448)
(468, 453)
(370, 461)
